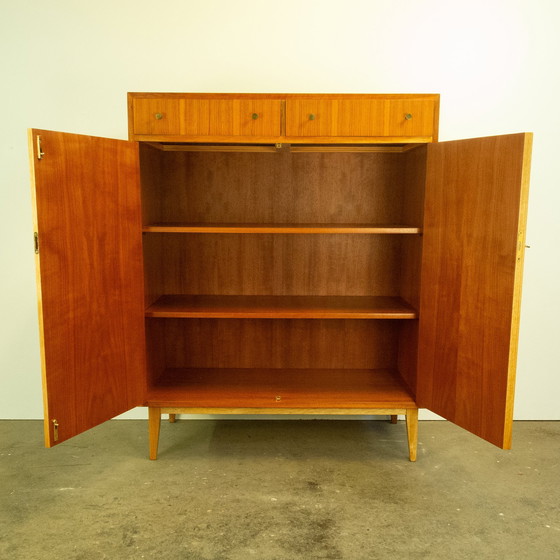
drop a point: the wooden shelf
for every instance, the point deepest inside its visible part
(277, 147)
(281, 228)
(281, 307)
(281, 389)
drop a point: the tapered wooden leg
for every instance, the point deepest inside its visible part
(154, 422)
(172, 418)
(412, 432)
(394, 418)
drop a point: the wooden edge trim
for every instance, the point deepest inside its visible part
(404, 230)
(279, 96)
(517, 287)
(287, 411)
(214, 148)
(31, 136)
(435, 129)
(325, 140)
(130, 105)
(282, 315)
(294, 148)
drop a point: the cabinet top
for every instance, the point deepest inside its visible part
(315, 118)
(229, 95)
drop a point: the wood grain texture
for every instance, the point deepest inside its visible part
(87, 199)
(281, 307)
(206, 117)
(335, 117)
(414, 182)
(475, 211)
(349, 117)
(273, 264)
(420, 121)
(280, 388)
(342, 118)
(275, 343)
(278, 188)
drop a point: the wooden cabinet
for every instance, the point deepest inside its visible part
(238, 256)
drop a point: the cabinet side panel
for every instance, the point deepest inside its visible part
(473, 245)
(408, 354)
(151, 164)
(88, 221)
(414, 180)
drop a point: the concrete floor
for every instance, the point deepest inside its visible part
(283, 490)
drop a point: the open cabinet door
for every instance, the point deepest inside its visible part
(88, 245)
(474, 241)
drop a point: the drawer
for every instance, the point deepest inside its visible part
(170, 116)
(245, 117)
(206, 117)
(334, 117)
(362, 117)
(409, 117)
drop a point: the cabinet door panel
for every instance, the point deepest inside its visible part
(474, 230)
(90, 281)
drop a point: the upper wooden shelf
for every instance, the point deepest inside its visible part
(282, 228)
(281, 307)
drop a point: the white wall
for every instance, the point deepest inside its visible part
(67, 65)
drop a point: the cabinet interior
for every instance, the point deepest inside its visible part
(279, 277)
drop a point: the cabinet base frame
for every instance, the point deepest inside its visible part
(411, 414)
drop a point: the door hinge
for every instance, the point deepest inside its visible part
(55, 429)
(36, 242)
(40, 152)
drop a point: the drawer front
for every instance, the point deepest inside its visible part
(334, 117)
(206, 117)
(244, 117)
(166, 116)
(409, 117)
(401, 117)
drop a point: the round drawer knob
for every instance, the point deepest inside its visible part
(311, 117)
(255, 116)
(158, 116)
(407, 116)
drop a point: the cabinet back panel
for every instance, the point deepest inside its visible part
(273, 264)
(273, 343)
(283, 187)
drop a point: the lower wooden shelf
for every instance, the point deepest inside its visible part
(315, 228)
(280, 389)
(281, 307)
